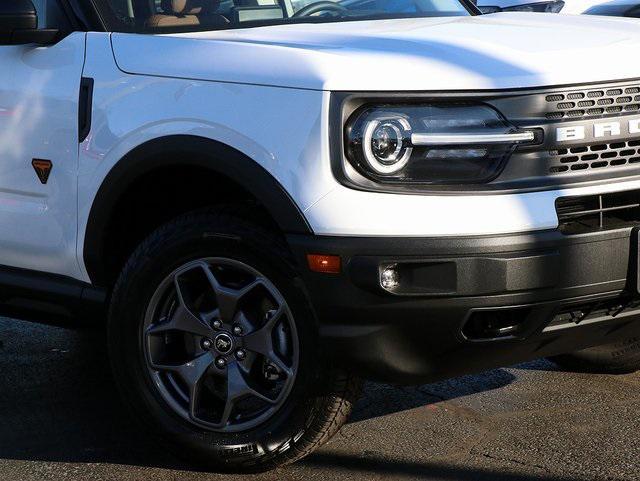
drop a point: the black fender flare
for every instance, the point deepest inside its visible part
(190, 151)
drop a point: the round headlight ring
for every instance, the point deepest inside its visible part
(384, 144)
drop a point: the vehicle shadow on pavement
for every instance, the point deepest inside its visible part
(543, 365)
(381, 399)
(364, 466)
(59, 403)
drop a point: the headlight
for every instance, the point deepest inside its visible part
(545, 7)
(385, 145)
(432, 144)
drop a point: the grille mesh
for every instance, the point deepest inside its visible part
(598, 212)
(596, 156)
(592, 103)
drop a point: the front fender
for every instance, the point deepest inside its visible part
(268, 139)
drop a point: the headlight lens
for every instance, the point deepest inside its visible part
(431, 144)
(385, 146)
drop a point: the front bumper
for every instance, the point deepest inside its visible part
(469, 304)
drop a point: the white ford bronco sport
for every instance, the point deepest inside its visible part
(266, 200)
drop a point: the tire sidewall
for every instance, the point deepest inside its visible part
(621, 357)
(144, 273)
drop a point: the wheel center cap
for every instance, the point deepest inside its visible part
(223, 343)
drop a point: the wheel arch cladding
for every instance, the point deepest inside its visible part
(179, 151)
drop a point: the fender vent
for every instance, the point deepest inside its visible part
(591, 213)
(593, 103)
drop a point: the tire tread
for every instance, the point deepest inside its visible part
(341, 389)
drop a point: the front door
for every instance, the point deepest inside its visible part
(39, 92)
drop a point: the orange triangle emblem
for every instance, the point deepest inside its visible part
(42, 168)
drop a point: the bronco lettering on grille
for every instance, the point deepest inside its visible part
(600, 130)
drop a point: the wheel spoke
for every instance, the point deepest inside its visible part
(226, 297)
(226, 413)
(261, 341)
(190, 372)
(238, 388)
(182, 319)
(203, 382)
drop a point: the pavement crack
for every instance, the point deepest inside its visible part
(511, 460)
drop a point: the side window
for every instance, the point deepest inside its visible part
(50, 14)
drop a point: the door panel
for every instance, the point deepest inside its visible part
(39, 90)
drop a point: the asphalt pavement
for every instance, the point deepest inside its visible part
(61, 419)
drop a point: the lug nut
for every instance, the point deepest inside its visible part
(206, 343)
(240, 354)
(269, 315)
(221, 362)
(237, 330)
(217, 324)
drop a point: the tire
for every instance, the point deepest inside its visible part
(617, 358)
(192, 419)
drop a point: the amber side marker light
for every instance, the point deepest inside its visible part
(324, 263)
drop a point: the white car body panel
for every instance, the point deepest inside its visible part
(283, 130)
(129, 116)
(39, 120)
(266, 93)
(347, 212)
(500, 51)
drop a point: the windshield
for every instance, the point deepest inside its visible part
(159, 16)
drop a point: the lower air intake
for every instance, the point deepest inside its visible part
(591, 213)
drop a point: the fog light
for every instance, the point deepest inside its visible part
(390, 278)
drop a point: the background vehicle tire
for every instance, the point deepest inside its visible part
(617, 358)
(149, 355)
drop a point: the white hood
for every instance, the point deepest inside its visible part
(505, 50)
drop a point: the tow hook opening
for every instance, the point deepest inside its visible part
(495, 324)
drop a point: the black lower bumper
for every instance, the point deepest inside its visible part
(465, 305)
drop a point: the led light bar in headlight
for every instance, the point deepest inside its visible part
(433, 144)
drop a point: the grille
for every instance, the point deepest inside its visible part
(577, 215)
(594, 157)
(592, 103)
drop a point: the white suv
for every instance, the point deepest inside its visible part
(267, 200)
